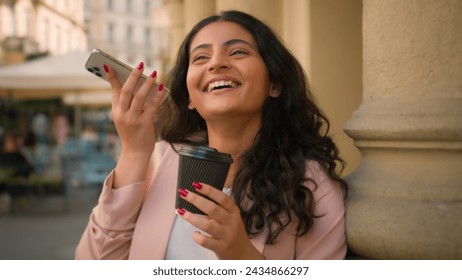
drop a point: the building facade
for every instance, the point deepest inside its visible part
(129, 30)
(48, 27)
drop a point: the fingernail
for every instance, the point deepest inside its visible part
(183, 192)
(180, 211)
(106, 69)
(197, 186)
(140, 65)
(154, 74)
(161, 86)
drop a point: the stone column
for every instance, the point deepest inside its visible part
(194, 11)
(177, 30)
(297, 30)
(268, 11)
(405, 200)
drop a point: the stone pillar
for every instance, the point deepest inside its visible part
(194, 11)
(175, 14)
(268, 11)
(297, 30)
(405, 199)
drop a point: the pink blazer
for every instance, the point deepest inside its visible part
(134, 222)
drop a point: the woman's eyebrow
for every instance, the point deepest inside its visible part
(237, 41)
(227, 43)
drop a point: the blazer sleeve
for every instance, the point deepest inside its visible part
(112, 222)
(326, 239)
(110, 229)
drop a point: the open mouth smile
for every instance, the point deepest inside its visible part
(216, 85)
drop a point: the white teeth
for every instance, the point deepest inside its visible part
(216, 84)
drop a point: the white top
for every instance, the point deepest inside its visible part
(181, 246)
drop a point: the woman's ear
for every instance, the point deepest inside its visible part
(191, 105)
(275, 90)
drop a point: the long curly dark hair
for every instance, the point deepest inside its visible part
(272, 172)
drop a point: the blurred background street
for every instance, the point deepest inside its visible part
(57, 138)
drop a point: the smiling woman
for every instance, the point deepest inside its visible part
(225, 53)
(236, 88)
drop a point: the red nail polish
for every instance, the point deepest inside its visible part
(140, 65)
(106, 69)
(180, 211)
(161, 86)
(153, 74)
(183, 192)
(197, 186)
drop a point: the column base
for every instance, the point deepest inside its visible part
(405, 199)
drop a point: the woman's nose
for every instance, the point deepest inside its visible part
(218, 62)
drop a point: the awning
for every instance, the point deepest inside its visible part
(49, 77)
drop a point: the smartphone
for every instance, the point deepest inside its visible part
(98, 58)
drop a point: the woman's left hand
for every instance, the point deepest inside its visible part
(228, 237)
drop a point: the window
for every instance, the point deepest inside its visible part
(110, 32)
(129, 33)
(129, 6)
(147, 36)
(147, 7)
(46, 34)
(58, 39)
(29, 23)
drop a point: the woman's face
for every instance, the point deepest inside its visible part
(226, 76)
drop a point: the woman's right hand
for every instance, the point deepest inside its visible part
(134, 114)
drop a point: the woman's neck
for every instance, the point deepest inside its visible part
(233, 138)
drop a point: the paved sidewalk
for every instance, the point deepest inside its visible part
(50, 237)
(41, 236)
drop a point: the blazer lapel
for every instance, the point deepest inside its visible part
(158, 213)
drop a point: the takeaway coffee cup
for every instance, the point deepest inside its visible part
(200, 164)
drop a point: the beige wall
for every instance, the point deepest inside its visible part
(335, 66)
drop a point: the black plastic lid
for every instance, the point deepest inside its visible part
(206, 153)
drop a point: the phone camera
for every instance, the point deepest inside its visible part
(95, 70)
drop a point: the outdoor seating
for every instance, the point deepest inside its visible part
(85, 167)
